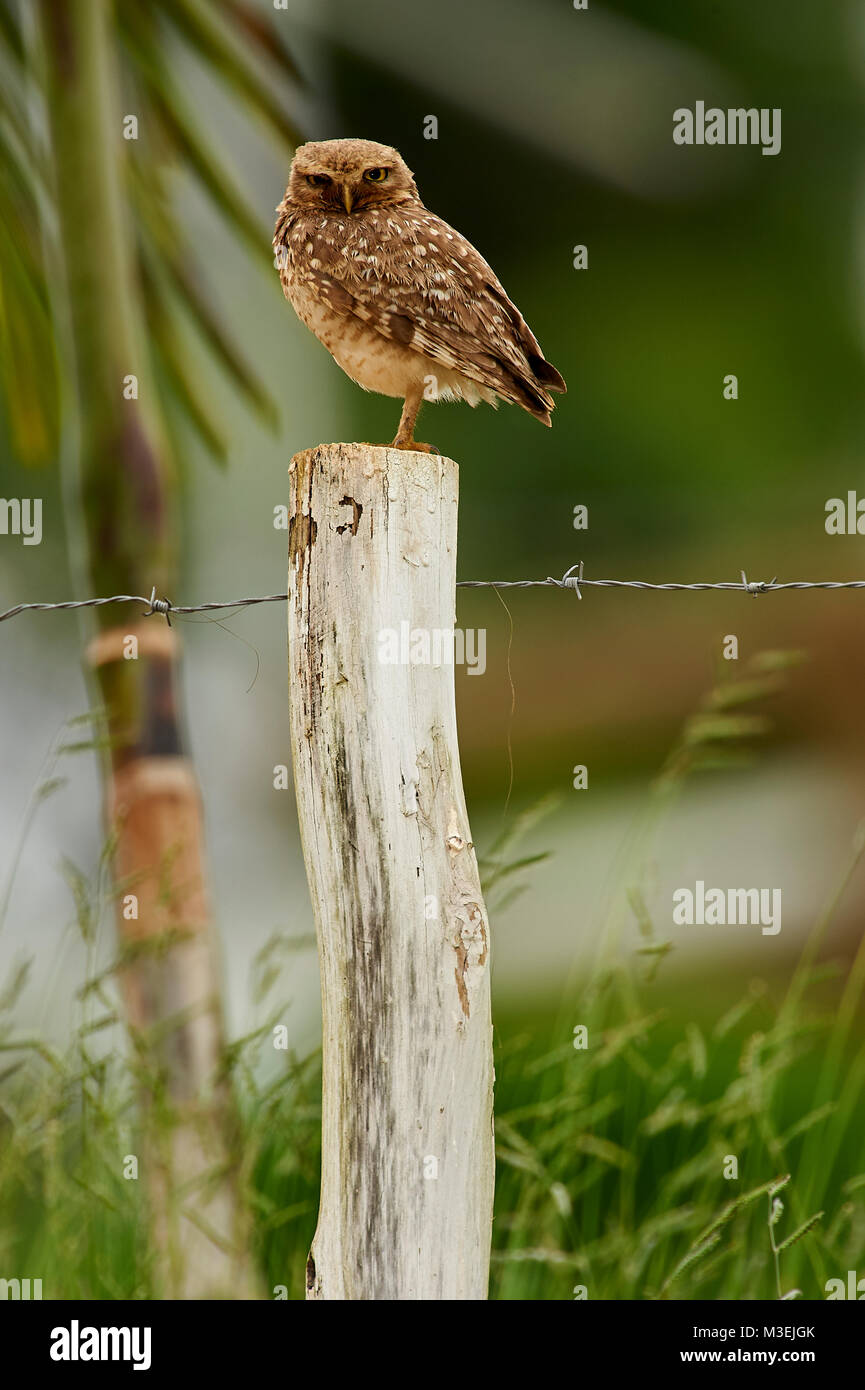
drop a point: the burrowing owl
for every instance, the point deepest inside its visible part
(405, 305)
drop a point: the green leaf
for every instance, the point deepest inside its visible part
(225, 58)
(637, 904)
(49, 787)
(604, 1150)
(27, 358)
(164, 265)
(512, 868)
(743, 692)
(696, 1252)
(264, 35)
(187, 142)
(178, 376)
(816, 1117)
(18, 977)
(11, 37)
(522, 824)
(705, 727)
(778, 660)
(739, 1203)
(800, 1232)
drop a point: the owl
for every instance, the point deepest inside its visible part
(405, 305)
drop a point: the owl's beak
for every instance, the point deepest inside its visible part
(347, 197)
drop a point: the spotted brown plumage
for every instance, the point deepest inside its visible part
(401, 300)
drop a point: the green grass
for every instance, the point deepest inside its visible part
(610, 1162)
(611, 1158)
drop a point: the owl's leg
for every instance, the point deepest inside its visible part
(405, 434)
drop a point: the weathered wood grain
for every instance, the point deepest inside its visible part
(408, 1166)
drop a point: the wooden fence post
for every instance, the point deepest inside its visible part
(403, 936)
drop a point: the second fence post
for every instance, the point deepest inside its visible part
(403, 935)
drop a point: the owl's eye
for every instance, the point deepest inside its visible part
(375, 175)
(318, 180)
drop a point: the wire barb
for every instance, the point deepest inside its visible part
(759, 586)
(571, 580)
(159, 605)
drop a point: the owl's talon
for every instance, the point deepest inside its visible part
(409, 446)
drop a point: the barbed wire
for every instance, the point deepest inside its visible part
(573, 579)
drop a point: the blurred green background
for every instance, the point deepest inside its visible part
(554, 130)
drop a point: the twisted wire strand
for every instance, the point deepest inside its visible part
(573, 579)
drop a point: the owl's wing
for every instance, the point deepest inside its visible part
(423, 285)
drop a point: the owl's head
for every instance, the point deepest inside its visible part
(348, 176)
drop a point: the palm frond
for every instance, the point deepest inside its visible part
(264, 36)
(180, 285)
(11, 37)
(233, 44)
(188, 143)
(176, 372)
(202, 27)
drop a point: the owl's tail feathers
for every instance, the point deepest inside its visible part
(532, 398)
(545, 373)
(533, 392)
